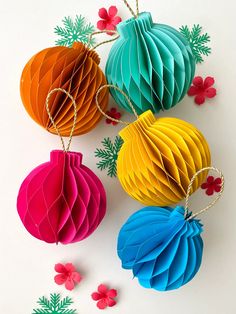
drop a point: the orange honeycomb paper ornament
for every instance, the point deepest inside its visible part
(77, 71)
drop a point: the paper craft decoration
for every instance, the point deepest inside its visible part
(67, 274)
(212, 185)
(108, 19)
(163, 250)
(198, 42)
(114, 113)
(61, 200)
(152, 63)
(77, 30)
(73, 69)
(104, 297)
(109, 155)
(202, 89)
(159, 157)
(55, 305)
(163, 245)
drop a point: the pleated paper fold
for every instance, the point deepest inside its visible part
(61, 200)
(159, 157)
(152, 63)
(74, 69)
(163, 250)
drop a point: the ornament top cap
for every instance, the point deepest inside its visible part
(73, 158)
(143, 21)
(144, 121)
(178, 215)
(80, 47)
(178, 211)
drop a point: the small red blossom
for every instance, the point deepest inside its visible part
(109, 20)
(113, 113)
(68, 275)
(212, 185)
(104, 296)
(202, 89)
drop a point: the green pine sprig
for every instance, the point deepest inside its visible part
(198, 42)
(73, 31)
(109, 155)
(55, 305)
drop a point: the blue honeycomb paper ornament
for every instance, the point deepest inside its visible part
(162, 247)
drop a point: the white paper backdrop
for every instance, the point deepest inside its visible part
(26, 264)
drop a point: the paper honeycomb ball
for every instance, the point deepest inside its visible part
(77, 71)
(163, 249)
(61, 200)
(152, 63)
(159, 157)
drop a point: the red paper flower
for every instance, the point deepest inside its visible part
(104, 296)
(212, 185)
(202, 89)
(113, 113)
(109, 20)
(67, 275)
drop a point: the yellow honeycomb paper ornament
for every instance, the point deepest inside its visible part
(159, 157)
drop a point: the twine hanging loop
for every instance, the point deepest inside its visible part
(103, 42)
(126, 97)
(186, 207)
(65, 149)
(135, 15)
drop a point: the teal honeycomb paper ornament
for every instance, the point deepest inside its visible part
(152, 63)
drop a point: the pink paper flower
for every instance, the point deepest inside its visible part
(113, 113)
(202, 89)
(109, 20)
(67, 275)
(104, 296)
(212, 185)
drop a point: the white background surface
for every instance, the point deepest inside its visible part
(26, 264)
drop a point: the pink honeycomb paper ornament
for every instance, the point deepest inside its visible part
(61, 200)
